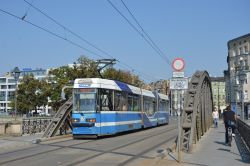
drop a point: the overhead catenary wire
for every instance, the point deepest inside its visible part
(157, 50)
(142, 29)
(88, 42)
(50, 32)
(26, 12)
(57, 35)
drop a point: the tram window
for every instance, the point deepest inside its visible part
(162, 106)
(106, 97)
(136, 103)
(148, 104)
(84, 102)
(121, 101)
(130, 102)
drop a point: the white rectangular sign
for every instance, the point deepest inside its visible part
(178, 83)
(178, 74)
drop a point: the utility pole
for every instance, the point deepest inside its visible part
(218, 97)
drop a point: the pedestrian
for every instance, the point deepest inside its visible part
(215, 115)
(229, 119)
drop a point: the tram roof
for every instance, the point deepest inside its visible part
(113, 84)
(105, 84)
(162, 96)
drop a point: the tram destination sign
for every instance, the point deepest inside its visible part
(178, 83)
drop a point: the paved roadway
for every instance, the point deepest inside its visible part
(126, 149)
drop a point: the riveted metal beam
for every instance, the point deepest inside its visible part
(196, 115)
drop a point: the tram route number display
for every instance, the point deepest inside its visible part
(178, 83)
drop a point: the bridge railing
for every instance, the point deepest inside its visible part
(35, 124)
(244, 130)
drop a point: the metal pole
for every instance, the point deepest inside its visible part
(16, 100)
(218, 97)
(242, 103)
(171, 107)
(179, 127)
(235, 94)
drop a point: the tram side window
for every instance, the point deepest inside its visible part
(106, 97)
(149, 105)
(130, 102)
(167, 106)
(133, 102)
(136, 103)
(121, 101)
(163, 105)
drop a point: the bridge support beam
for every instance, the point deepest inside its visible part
(196, 117)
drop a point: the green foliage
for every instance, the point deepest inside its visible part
(31, 94)
(62, 76)
(123, 76)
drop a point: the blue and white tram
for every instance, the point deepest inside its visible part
(104, 107)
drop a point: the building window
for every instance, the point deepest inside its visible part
(3, 87)
(246, 62)
(245, 49)
(246, 94)
(2, 80)
(234, 53)
(11, 86)
(11, 81)
(240, 51)
(11, 95)
(2, 96)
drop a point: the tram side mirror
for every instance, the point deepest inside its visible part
(63, 95)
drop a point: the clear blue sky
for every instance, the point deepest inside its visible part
(196, 30)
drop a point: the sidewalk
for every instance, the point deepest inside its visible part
(212, 151)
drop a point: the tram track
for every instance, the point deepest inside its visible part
(33, 147)
(60, 147)
(145, 151)
(119, 147)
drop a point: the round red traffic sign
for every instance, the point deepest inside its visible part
(178, 64)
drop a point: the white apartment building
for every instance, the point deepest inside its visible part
(8, 87)
(238, 74)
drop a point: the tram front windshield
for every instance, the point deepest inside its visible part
(84, 101)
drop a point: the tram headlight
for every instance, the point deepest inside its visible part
(75, 120)
(92, 120)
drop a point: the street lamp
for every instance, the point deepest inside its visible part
(242, 77)
(16, 73)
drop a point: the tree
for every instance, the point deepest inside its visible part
(123, 76)
(31, 94)
(82, 68)
(64, 75)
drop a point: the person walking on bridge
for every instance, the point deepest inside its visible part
(215, 115)
(229, 118)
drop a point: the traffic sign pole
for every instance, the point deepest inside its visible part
(178, 82)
